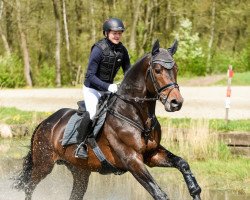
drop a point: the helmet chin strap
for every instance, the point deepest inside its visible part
(106, 34)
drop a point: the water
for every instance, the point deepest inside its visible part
(58, 184)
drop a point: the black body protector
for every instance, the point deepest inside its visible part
(111, 61)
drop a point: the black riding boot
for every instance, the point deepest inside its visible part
(83, 131)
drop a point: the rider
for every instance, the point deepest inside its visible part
(106, 57)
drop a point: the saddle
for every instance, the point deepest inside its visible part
(80, 122)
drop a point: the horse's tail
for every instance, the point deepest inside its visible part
(23, 178)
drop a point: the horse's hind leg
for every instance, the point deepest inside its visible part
(39, 172)
(42, 165)
(80, 182)
(164, 158)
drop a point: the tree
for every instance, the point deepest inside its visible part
(189, 51)
(58, 43)
(4, 39)
(210, 44)
(136, 12)
(24, 46)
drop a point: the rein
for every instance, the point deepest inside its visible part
(135, 99)
(157, 87)
(151, 120)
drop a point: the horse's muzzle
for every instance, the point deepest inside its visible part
(173, 105)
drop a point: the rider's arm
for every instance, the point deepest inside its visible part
(126, 61)
(94, 61)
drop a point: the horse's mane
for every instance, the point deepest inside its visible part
(132, 76)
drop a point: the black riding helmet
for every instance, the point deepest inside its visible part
(113, 24)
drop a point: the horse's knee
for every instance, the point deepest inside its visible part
(181, 164)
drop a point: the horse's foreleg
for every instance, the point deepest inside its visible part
(140, 172)
(164, 158)
(80, 182)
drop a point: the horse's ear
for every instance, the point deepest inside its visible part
(173, 48)
(156, 47)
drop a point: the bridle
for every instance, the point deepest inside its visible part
(156, 85)
(144, 128)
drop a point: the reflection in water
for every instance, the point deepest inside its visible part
(58, 184)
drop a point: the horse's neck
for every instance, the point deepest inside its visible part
(134, 82)
(134, 85)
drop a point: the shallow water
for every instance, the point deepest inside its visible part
(58, 184)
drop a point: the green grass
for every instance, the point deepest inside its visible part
(231, 174)
(16, 116)
(219, 125)
(239, 79)
(233, 125)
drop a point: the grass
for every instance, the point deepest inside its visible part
(239, 79)
(218, 125)
(230, 174)
(16, 116)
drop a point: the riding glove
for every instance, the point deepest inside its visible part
(112, 88)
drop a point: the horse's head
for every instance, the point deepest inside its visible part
(163, 75)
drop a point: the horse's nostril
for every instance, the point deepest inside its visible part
(174, 103)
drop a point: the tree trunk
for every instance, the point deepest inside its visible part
(93, 25)
(58, 43)
(79, 28)
(66, 32)
(149, 7)
(5, 42)
(9, 23)
(136, 13)
(210, 44)
(24, 47)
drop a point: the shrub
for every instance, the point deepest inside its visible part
(11, 72)
(239, 61)
(45, 76)
(190, 55)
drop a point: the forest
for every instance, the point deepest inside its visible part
(47, 43)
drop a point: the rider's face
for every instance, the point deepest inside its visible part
(115, 36)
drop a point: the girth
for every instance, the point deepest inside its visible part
(146, 129)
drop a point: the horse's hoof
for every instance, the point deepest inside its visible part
(196, 197)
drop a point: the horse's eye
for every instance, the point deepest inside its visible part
(157, 70)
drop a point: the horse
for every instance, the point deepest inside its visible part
(129, 138)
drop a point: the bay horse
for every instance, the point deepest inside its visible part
(130, 137)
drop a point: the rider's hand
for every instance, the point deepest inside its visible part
(112, 88)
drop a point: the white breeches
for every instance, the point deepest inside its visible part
(91, 97)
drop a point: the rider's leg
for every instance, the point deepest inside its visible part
(91, 97)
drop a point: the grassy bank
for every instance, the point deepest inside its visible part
(239, 79)
(16, 116)
(218, 125)
(230, 174)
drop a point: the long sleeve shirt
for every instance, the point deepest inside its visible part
(95, 59)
